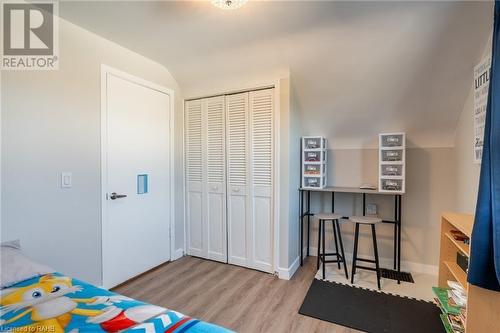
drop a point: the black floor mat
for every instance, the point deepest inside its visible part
(370, 311)
(393, 275)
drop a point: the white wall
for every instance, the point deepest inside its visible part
(295, 133)
(284, 170)
(289, 170)
(467, 175)
(50, 124)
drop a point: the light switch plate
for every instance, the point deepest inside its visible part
(371, 209)
(66, 179)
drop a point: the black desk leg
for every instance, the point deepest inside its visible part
(395, 231)
(301, 224)
(364, 204)
(399, 238)
(308, 219)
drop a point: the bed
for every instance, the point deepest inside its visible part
(33, 298)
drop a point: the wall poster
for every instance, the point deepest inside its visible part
(481, 84)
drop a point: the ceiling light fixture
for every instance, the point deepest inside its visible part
(229, 4)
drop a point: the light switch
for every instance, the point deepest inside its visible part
(66, 179)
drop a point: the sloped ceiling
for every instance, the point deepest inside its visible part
(356, 68)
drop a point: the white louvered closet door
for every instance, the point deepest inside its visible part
(215, 179)
(194, 177)
(250, 151)
(237, 136)
(261, 105)
(229, 176)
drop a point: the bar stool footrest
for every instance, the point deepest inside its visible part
(367, 268)
(339, 258)
(366, 260)
(331, 261)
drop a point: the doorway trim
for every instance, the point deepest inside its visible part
(105, 70)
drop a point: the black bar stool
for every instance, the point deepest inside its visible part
(340, 258)
(367, 220)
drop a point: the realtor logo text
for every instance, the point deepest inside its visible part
(30, 36)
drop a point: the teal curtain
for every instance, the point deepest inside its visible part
(484, 266)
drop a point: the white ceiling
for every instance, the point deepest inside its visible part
(356, 68)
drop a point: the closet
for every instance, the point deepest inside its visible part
(229, 178)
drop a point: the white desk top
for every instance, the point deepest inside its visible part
(346, 190)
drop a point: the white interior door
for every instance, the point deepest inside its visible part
(136, 228)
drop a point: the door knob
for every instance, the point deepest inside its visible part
(115, 196)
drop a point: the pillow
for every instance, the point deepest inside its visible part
(16, 267)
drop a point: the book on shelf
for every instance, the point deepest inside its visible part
(456, 286)
(463, 262)
(463, 316)
(451, 324)
(452, 302)
(446, 324)
(442, 299)
(457, 299)
(456, 323)
(459, 236)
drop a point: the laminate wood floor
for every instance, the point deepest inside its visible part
(240, 299)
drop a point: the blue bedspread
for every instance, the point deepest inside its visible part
(55, 303)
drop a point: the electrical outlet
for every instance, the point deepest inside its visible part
(371, 209)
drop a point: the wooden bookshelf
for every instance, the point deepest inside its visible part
(483, 306)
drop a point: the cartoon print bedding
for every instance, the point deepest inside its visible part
(56, 303)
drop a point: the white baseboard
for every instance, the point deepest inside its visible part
(287, 273)
(407, 266)
(179, 253)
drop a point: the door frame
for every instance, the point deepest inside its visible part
(105, 70)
